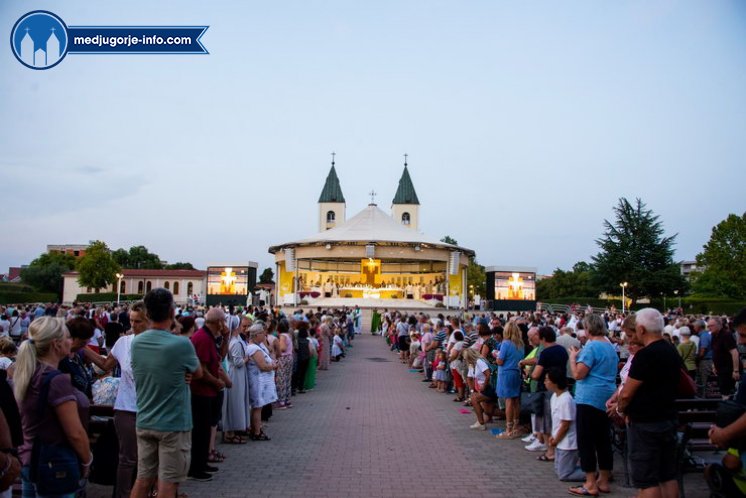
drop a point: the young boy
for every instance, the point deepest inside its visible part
(564, 434)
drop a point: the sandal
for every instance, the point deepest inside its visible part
(235, 439)
(214, 457)
(259, 437)
(581, 491)
(544, 458)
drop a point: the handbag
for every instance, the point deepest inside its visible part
(54, 468)
(534, 402)
(686, 387)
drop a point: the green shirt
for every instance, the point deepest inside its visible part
(159, 362)
(688, 350)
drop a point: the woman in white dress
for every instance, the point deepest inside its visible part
(261, 375)
(236, 405)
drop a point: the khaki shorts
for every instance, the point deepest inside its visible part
(163, 454)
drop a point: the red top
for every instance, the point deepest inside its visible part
(207, 352)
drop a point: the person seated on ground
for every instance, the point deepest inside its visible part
(564, 434)
(338, 351)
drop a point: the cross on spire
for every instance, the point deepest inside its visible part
(53, 30)
(405, 159)
(333, 154)
(27, 30)
(372, 195)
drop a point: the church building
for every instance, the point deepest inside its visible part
(373, 259)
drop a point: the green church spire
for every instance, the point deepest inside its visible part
(405, 194)
(332, 191)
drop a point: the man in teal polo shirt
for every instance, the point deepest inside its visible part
(160, 361)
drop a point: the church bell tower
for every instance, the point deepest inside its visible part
(405, 208)
(332, 204)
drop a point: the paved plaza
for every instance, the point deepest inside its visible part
(373, 429)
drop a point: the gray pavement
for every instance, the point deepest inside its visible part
(371, 428)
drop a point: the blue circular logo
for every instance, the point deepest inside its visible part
(39, 40)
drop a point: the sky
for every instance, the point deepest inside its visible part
(524, 123)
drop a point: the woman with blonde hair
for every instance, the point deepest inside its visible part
(509, 378)
(52, 410)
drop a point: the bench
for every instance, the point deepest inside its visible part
(695, 417)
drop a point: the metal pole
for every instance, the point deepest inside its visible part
(624, 301)
(119, 288)
(448, 284)
(295, 284)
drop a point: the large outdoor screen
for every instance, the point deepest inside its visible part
(515, 286)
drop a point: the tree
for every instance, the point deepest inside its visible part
(137, 257)
(449, 240)
(266, 276)
(475, 277)
(97, 268)
(179, 266)
(634, 250)
(724, 260)
(45, 272)
(574, 283)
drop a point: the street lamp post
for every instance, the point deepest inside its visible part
(119, 287)
(623, 285)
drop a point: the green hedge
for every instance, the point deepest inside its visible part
(691, 304)
(106, 297)
(705, 305)
(15, 287)
(584, 301)
(27, 297)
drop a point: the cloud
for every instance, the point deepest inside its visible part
(90, 170)
(32, 191)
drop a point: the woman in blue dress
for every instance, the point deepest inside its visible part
(509, 378)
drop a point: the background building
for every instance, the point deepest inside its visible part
(187, 286)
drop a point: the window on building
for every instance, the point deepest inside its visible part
(121, 287)
(167, 286)
(140, 285)
(405, 219)
(176, 288)
(190, 288)
(88, 290)
(148, 286)
(330, 216)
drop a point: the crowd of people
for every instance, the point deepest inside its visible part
(558, 381)
(177, 378)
